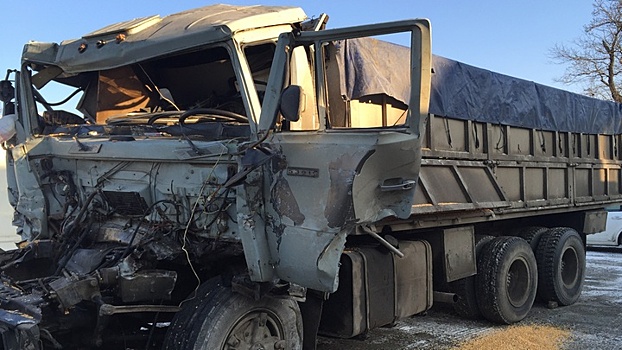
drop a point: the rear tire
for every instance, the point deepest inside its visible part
(561, 266)
(532, 235)
(219, 318)
(466, 305)
(507, 280)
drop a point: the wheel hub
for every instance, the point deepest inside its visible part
(569, 267)
(257, 330)
(518, 283)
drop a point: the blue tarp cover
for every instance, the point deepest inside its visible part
(461, 91)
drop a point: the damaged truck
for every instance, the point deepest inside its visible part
(244, 178)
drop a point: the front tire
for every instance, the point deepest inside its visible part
(222, 319)
(507, 280)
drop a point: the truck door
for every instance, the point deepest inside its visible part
(340, 122)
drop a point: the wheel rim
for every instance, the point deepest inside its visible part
(518, 283)
(569, 268)
(256, 330)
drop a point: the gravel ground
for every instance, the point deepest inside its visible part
(594, 322)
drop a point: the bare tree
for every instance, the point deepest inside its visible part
(596, 58)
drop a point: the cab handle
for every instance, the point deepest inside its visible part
(397, 185)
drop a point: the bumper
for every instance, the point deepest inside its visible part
(18, 331)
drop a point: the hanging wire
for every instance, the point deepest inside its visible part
(190, 219)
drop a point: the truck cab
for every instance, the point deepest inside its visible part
(200, 166)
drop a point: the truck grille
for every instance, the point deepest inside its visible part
(127, 203)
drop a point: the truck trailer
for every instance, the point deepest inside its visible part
(235, 177)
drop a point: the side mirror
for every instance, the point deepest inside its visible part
(7, 91)
(292, 103)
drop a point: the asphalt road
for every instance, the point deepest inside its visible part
(594, 322)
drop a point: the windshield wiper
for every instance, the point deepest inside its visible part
(140, 117)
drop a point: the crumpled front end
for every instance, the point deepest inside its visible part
(125, 239)
(20, 310)
(18, 332)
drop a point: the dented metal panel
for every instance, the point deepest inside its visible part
(174, 33)
(314, 213)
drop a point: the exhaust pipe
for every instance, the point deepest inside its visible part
(446, 298)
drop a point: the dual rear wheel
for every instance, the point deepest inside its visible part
(561, 266)
(512, 271)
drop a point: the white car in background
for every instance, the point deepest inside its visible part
(612, 236)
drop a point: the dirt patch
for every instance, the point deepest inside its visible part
(521, 337)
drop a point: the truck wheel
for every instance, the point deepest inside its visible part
(507, 280)
(218, 318)
(466, 305)
(532, 235)
(561, 266)
(177, 333)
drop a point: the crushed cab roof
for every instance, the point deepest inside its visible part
(143, 38)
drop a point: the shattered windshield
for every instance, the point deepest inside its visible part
(192, 92)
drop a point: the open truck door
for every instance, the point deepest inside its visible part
(331, 164)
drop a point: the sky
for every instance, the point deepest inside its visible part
(509, 37)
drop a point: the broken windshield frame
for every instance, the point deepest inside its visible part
(160, 91)
(420, 74)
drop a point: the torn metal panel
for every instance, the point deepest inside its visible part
(310, 258)
(385, 185)
(285, 203)
(340, 187)
(340, 204)
(22, 332)
(30, 200)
